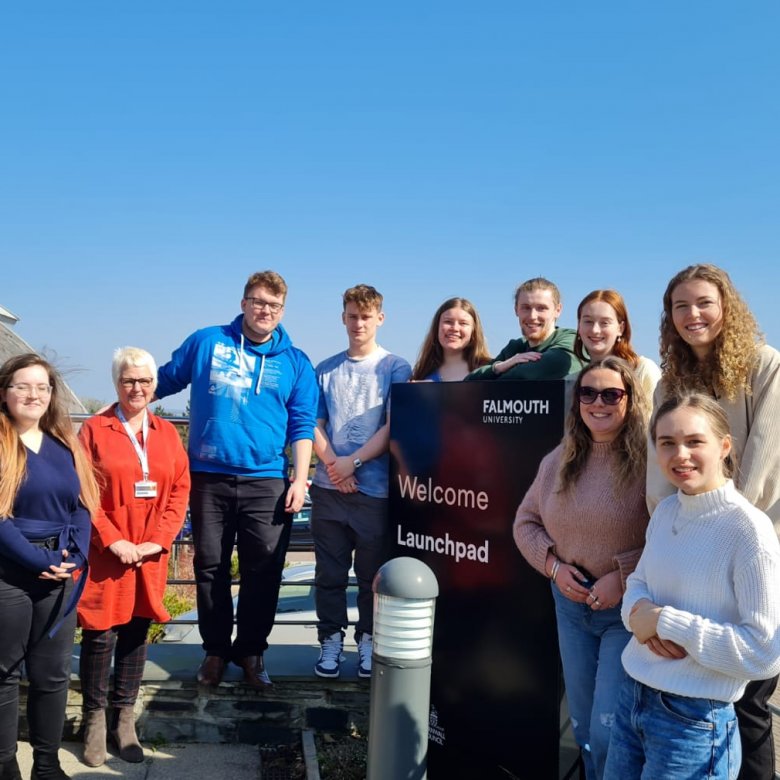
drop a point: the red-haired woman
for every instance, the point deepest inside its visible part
(603, 328)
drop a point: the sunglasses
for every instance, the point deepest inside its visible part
(611, 396)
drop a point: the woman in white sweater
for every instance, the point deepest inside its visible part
(703, 606)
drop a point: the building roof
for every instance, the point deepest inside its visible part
(12, 344)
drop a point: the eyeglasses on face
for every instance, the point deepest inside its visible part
(260, 303)
(611, 396)
(22, 388)
(128, 384)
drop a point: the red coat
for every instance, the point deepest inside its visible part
(116, 592)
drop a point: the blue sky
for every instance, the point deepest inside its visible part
(155, 154)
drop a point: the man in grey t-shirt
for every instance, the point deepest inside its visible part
(349, 493)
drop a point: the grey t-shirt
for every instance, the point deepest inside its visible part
(354, 400)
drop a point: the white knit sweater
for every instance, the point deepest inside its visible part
(712, 561)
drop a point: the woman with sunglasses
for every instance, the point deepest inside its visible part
(582, 524)
(145, 489)
(454, 346)
(47, 491)
(603, 328)
(710, 343)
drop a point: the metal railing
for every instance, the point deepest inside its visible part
(296, 545)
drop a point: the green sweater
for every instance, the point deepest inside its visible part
(559, 359)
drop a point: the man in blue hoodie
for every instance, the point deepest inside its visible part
(252, 393)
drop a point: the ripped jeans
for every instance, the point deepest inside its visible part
(591, 644)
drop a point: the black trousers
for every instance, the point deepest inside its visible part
(126, 644)
(29, 608)
(755, 731)
(249, 512)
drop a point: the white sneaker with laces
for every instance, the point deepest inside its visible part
(330, 656)
(364, 647)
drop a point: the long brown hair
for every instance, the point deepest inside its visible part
(630, 445)
(55, 422)
(622, 348)
(728, 368)
(431, 354)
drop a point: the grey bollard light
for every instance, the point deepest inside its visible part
(405, 592)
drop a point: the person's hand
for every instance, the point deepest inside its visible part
(665, 648)
(569, 584)
(296, 494)
(126, 551)
(643, 620)
(606, 592)
(341, 468)
(502, 366)
(61, 572)
(348, 485)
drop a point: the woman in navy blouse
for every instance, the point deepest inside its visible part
(47, 492)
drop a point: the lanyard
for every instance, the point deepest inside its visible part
(143, 456)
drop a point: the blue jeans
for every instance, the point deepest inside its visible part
(661, 736)
(591, 644)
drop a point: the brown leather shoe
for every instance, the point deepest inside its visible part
(255, 674)
(211, 670)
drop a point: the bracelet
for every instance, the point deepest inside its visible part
(554, 571)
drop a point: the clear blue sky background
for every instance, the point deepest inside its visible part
(154, 154)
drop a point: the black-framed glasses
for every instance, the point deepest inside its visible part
(611, 396)
(128, 384)
(260, 303)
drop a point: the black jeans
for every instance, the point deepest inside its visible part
(250, 510)
(755, 731)
(29, 608)
(126, 644)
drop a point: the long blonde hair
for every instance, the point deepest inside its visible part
(55, 422)
(630, 445)
(728, 368)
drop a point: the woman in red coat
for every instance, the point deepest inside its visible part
(145, 489)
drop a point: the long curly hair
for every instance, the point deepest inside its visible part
(431, 354)
(622, 348)
(56, 422)
(629, 446)
(728, 368)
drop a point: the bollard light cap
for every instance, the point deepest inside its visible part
(406, 578)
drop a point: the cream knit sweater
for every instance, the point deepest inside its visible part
(593, 525)
(712, 561)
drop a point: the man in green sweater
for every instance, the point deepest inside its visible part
(545, 351)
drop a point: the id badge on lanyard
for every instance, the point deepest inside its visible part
(144, 488)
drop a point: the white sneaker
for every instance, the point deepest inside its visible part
(364, 647)
(330, 656)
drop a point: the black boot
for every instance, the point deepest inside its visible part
(123, 733)
(9, 770)
(46, 766)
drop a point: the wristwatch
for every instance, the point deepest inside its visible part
(357, 463)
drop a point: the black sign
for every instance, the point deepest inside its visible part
(462, 457)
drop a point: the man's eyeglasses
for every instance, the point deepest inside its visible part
(24, 389)
(260, 303)
(611, 396)
(128, 384)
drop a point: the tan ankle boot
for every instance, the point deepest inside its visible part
(123, 733)
(95, 737)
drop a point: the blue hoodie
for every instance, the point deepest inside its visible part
(247, 400)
